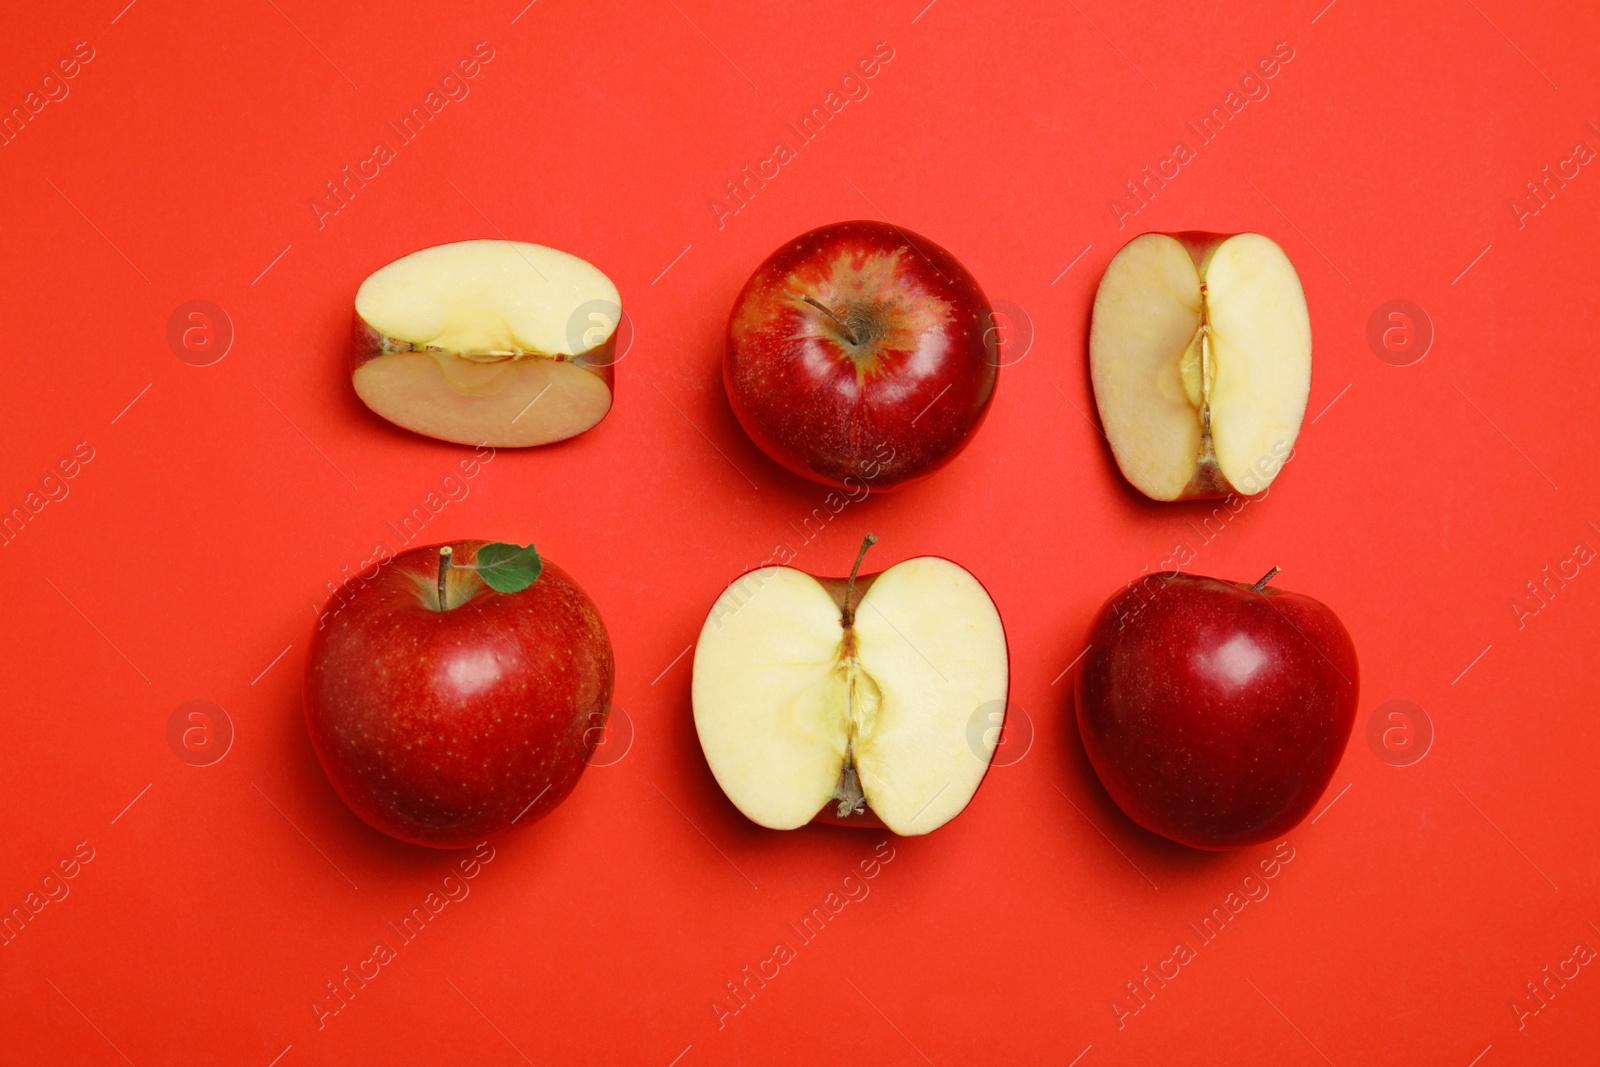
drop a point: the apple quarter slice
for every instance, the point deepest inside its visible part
(502, 343)
(1200, 354)
(807, 709)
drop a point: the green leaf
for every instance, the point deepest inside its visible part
(508, 568)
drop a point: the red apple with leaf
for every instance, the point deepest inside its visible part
(459, 692)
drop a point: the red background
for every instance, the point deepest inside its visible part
(192, 548)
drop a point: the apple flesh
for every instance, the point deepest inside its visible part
(444, 723)
(499, 343)
(1216, 712)
(849, 700)
(1200, 353)
(860, 353)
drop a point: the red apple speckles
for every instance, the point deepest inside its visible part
(446, 727)
(861, 351)
(1216, 712)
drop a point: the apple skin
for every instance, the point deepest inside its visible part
(885, 412)
(1215, 715)
(441, 728)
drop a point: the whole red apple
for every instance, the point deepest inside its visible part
(1216, 712)
(445, 710)
(860, 354)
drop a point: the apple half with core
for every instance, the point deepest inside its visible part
(851, 700)
(500, 343)
(861, 354)
(1216, 712)
(1200, 353)
(458, 692)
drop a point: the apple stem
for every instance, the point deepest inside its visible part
(850, 589)
(445, 552)
(848, 333)
(1265, 578)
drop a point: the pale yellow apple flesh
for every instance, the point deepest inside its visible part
(487, 342)
(798, 713)
(1200, 355)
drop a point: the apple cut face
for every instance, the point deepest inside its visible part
(804, 708)
(499, 343)
(1200, 353)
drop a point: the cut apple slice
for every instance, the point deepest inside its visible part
(808, 708)
(501, 343)
(1200, 354)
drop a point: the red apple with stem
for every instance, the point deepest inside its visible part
(1216, 712)
(861, 351)
(458, 692)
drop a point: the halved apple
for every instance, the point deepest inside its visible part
(501, 343)
(1200, 353)
(850, 700)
